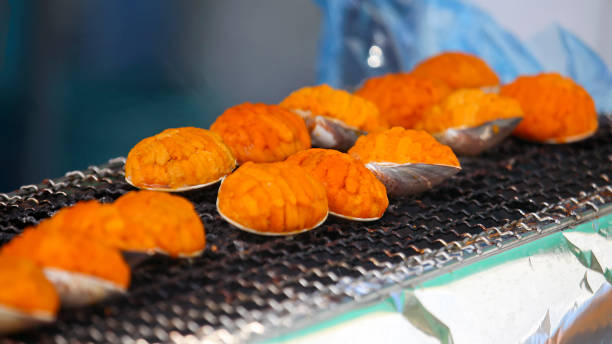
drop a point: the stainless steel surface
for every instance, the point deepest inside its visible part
(475, 140)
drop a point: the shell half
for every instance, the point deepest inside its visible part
(327, 132)
(254, 231)
(181, 189)
(475, 140)
(491, 89)
(409, 179)
(77, 289)
(571, 139)
(135, 258)
(12, 320)
(352, 218)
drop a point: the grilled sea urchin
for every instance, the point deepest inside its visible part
(353, 192)
(82, 270)
(471, 121)
(178, 160)
(402, 98)
(557, 110)
(27, 297)
(335, 118)
(406, 161)
(160, 222)
(272, 199)
(261, 132)
(138, 222)
(457, 70)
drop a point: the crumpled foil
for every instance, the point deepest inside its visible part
(557, 289)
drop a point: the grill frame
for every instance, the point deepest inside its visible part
(287, 309)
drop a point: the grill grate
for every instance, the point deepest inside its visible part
(245, 285)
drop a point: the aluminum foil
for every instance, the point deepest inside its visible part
(554, 290)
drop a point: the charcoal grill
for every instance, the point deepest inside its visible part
(246, 287)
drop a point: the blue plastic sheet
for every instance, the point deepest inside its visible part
(364, 38)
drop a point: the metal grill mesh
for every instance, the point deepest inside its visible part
(244, 285)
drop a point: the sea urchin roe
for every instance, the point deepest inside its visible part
(144, 221)
(72, 253)
(468, 108)
(90, 218)
(159, 221)
(262, 133)
(403, 146)
(273, 198)
(402, 98)
(25, 288)
(554, 107)
(352, 189)
(325, 101)
(178, 158)
(457, 70)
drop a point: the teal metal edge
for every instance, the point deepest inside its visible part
(386, 306)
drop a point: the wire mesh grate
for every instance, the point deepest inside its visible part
(241, 277)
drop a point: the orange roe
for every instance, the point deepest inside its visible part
(177, 158)
(403, 146)
(72, 253)
(91, 218)
(273, 198)
(457, 70)
(25, 288)
(556, 108)
(262, 133)
(402, 98)
(157, 220)
(352, 189)
(325, 101)
(143, 221)
(468, 108)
